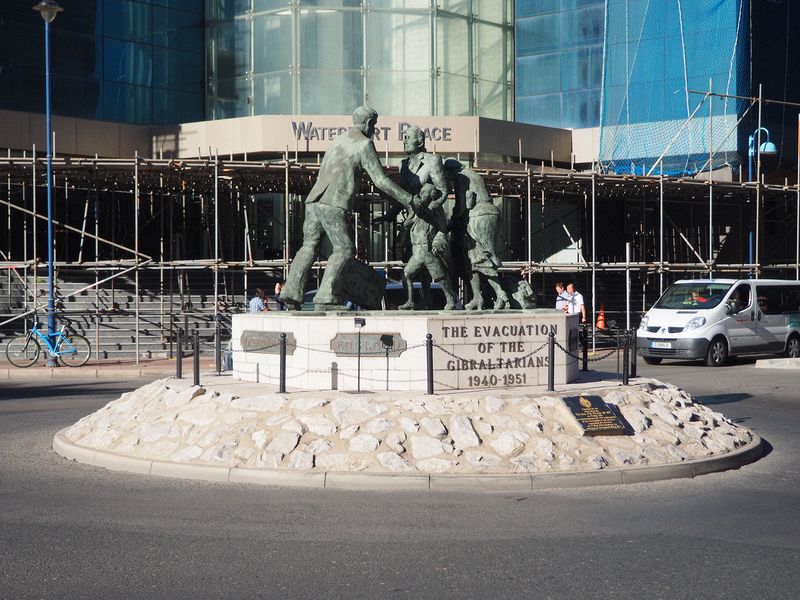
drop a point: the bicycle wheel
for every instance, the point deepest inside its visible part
(74, 350)
(22, 351)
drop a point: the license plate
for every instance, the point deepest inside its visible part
(660, 345)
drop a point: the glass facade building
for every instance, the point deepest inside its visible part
(325, 57)
(559, 62)
(128, 61)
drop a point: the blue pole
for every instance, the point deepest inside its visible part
(51, 308)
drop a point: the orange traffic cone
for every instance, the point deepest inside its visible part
(601, 318)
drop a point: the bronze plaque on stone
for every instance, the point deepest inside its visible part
(266, 342)
(595, 417)
(372, 344)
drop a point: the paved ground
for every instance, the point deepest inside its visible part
(69, 530)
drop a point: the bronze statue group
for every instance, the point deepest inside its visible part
(461, 246)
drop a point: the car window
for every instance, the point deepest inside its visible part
(740, 298)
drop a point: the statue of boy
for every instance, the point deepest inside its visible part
(329, 208)
(427, 226)
(482, 227)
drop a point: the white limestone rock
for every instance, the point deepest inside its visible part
(341, 462)
(435, 465)
(266, 403)
(665, 414)
(483, 428)
(364, 443)
(409, 425)
(347, 432)
(279, 419)
(634, 415)
(545, 402)
(482, 460)
(259, 438)
(434, 427)
(319, 446)
(379, 425)
(543, 448)
(394, 440)
(269, 460)
(621, 456)
(435, 406)
(152, 432)
(283, 442)
(294, 425)
(427, 447)
(352, 411)
(306, 404)
(231, 416)
(493, 404)
(201, 415)
(504, 422)
(462, 432)
(176, 399)
(301, 460)
(157, 450)
(224, 452)
(318, 424)
(531, 410)
(528, 463)
(534, 425)
(510, 443)
(394, 462)
(596, 461)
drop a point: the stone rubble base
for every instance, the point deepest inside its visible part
(496, 439)
(522, 482)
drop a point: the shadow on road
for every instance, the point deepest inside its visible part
(56, 389)
(722, 398)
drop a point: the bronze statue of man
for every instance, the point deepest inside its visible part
(329, 208)
(420, 169)
(481, 220)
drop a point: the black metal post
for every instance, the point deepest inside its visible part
(551, 361)
(186, 327)
(429, 360)
(282, 382)
(196, 339)
(626, 358)
(584, 333)
(217, 348)
(617, 353)
(387, 368)
(334, 376)
(358, 373)
(179, 357)
(634, 343)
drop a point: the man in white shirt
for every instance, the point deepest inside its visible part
(257, 303)
(575, 302)
(561, 297)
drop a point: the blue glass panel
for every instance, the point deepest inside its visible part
(177, 70)
(177, 29)
(526, 8)
(128, 62)
(127, 20)
(170, 107)
(127, 103)
(77, 97)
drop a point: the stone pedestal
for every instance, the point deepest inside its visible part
(472, 350)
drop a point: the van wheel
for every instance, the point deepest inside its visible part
(717, 352)
(793, 346)
(650, 360)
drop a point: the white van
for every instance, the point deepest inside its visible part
(713, 319)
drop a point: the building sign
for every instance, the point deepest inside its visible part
(266, 342)
(490, 355)
(594, 416)
(306, 130)
(372, 344)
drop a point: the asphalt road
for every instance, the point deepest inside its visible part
(72, 531)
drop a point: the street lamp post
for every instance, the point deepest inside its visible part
(48, 9)
(753, 143)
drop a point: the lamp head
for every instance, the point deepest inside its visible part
(768, 148)
(48, 9)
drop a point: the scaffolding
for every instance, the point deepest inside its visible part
(228, 222)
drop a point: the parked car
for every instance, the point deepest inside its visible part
(714, 319)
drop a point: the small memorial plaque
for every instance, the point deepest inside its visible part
(594, 416)
(372, 344)
(266, 342)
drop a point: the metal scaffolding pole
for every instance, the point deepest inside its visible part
(217, 341)
(757, 267)
(661, 232)
(594, 257)
(710, 179)
(136, 245)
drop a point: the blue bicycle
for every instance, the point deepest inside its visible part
(71, 349)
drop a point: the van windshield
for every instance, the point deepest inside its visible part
(694, 296)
